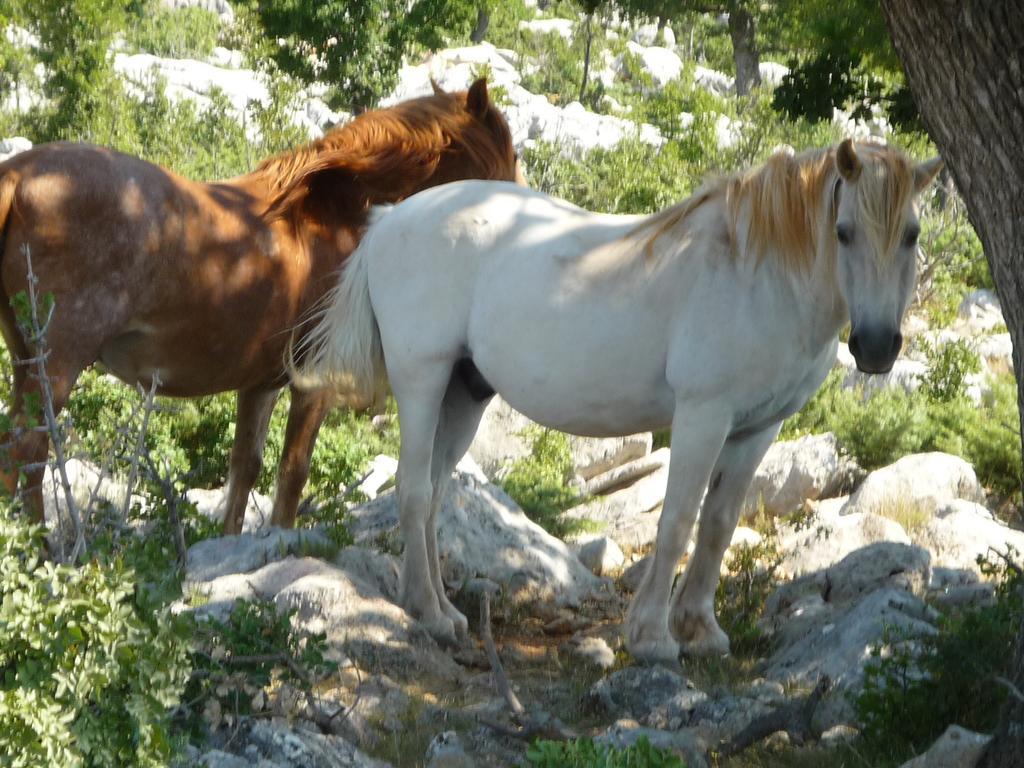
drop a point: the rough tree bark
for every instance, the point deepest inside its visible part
(589, 32)
(964, 63)
(483, 21)
(743, 32)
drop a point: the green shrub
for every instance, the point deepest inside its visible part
(539, 482)
(949, 366)
(88, 667)
(584, 753)
(178, 33)
(751, 575)
(914, 689)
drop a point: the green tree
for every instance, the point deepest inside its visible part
(74, 44)
(357, 45)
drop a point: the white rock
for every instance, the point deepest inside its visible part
(727, 131)
(378, 569)
(980, 311)
(794, 471)
(12, 146)
(600, 554)
(662, 64)
(649, 34)
(446, 751)
(89, 488)
(212, 504)
(828, 537)
(379, 476)
(627, 473)
(500, 441)
(874, 128)
(922, 480)
(481, 532)
(996, 352)
(564, 28)
(713, 81)
(956, 748)
(212, 558)
(772, 73)
(628, 516)
(227, 58)
(591, 649)
(961, 531)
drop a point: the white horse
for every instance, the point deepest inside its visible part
(719, 316)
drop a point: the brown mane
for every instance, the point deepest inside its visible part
(390, 152)
(785, 200)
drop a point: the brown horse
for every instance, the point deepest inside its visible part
(197, 287)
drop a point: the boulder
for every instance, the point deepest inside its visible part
(712, 81)
(446, 751)
(593, 650)
(655, 696)
(922, 480)
(599, 554)
(772, 73)
(628, 516)
(626, 474)
(564, 28)
(624, 734)
(794, 471)
(961, 531)
(649, 34)
(980, 312)
(212, 504)
(995, 352)
(12, 146)
(482, 532)
(379, 476)
(275, 744)
(378, 569)
(955, 748)
(663, 65)
(827, 537)
(220, 7)
(211, 558)
(503, 436)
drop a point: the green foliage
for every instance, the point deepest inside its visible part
(539, 482)
(915, 688)
(88, 666)
(180, 33)
(584, 753)
(949, 366)
(357, 47)
(74, 44)
(237, 659)
(751, 575)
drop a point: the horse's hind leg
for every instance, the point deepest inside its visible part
(693, 616)
(305, 415)
(698, 433)
(253, 416)
(419, 391)
(460, 416)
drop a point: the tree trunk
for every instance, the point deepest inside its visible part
(483, 21)
(589, 32)
(743, 32)
(964, 62)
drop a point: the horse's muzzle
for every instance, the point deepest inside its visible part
(875, 350)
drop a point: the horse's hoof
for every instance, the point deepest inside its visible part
(656, 652)
(700, 636)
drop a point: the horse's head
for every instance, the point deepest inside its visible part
(876, 232)
(385, 155)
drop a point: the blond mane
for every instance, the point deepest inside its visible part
(789, 211)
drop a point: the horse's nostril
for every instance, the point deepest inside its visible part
(897, 343)
(854, 344)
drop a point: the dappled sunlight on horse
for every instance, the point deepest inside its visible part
(718, 316)
(199, 286)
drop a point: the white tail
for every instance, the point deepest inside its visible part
(343, 350)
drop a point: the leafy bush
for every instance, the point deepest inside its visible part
(237, 659)
(742, 591)
(914, 689)
(539, 482)
(179, 33)
(584, 753)
(949, 366)
(88, 667)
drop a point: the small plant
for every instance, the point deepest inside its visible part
(179, 33)
(539, 482)
(949, 367)
(584, 753)
(751, 575)
(915, 687)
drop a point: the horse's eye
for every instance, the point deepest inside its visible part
(910, 238)
(844, 233)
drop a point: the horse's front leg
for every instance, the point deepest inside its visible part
(251, 421)
(693, 615)
(698, 434)
(305, 415)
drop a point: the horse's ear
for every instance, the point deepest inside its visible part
(478, 101)
(438, 90)
(925, 172)
(847, 161)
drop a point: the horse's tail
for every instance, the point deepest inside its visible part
(343, 351)
(16, 344)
